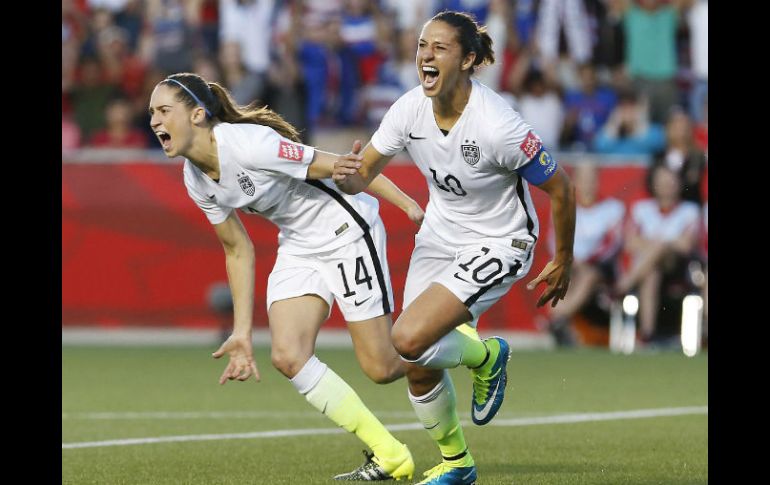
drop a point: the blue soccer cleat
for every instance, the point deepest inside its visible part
(489, 383)
(443, 474)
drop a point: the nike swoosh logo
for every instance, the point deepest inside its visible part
(431, 427)
(359, 303)
(416, 137)
(480, 415)
(469, 474)
(457, 275)
(212, 196)
(325, 404)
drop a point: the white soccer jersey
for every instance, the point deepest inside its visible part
(263, 173)
(598, 230)
(475, 193)
(654, 224)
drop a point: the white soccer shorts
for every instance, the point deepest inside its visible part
(355, 275)
(478, 274)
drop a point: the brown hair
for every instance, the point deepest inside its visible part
(472, 36)
(219, 104)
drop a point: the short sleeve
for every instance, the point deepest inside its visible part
(515, 144)
(390, 137)
(260, 147)
(215, 213)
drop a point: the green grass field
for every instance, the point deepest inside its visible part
(123, 393)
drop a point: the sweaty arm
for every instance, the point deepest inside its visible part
(239, 260)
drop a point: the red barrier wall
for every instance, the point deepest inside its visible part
(137, 251)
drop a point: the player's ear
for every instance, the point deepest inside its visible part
(468, 61)
(198, 115)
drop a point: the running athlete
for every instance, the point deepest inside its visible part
(331, 246)
(478, 156)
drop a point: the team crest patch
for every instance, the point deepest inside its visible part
(246, 184)
(471, 153)
(531, 145)
(290, 151)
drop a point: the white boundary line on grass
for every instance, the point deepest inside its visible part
(532, 421)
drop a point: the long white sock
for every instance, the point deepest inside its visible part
(451, 350)
(437, 411)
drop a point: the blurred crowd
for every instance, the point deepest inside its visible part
(605, 76)
(626, 77)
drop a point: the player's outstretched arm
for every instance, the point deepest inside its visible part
(239, 259)
(385, 188)
(557, 272)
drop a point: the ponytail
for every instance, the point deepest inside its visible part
(472, 36)
(219, 104)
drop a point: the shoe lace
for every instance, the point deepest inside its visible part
(481, 385)
(437, 471)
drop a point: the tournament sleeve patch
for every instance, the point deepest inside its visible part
(540, 169)
(531, 145)
(290, 151)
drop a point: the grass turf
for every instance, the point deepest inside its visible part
(666, 450)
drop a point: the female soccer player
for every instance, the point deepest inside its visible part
(478, 156)
(331, 246)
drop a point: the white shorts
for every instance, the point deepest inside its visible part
(355, 275)
(477, 274)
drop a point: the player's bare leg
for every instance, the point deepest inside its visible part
(294, 325)
(374, 349)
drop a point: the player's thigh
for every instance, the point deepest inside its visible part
(374, 349)
(298, 304)
(357, 274)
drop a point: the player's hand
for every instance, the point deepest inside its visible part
(347, 164)
(557, 275)
(415, 214)
(241, 365)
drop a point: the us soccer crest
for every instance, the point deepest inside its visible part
(246, 184)
(471, 153)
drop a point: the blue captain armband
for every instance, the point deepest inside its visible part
(539, 169)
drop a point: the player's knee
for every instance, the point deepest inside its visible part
(407, 343)
(385, 372)
(287, 363)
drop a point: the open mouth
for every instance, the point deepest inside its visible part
(165, 139)
(429, 77)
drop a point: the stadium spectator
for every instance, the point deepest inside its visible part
(598, 241)
(246, 34)
(167, 36)
(541, 107)
(609, 44)
(682, 155)
(662, 237)
(629, 130)
(571, 16)
(251, 160)
(90, 95)
(320, 27)
(121, 67)
(516, 62)
(587, 109)
(650, 28)
(477, 236)
(120, 131)
(697, 21)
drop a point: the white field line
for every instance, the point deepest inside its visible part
(129, 415)
(531, 421)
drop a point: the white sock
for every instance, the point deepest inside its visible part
(307, 378)
(437, 410)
